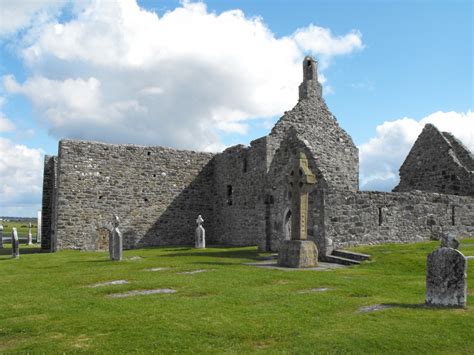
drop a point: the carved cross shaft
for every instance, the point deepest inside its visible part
(301, 180)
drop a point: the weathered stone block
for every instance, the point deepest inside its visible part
(298, 254)
(446, 278)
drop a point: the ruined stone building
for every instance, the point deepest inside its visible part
(438, 162)
(243, 192)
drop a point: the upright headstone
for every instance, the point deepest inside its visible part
(200, 241)
(449, 240)
(38, 229)
(299, 252)
(30, 235)
(446, 277)
(15, 244)
(115, 240)
(1, 236)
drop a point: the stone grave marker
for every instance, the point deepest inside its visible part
(38, 229)
(299, 252)
(15, 244)
(115, 240)
(30, 235)
(200, 241)
(446, 278)
(449, 240)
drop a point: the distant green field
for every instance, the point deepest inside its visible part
(47, 307)
(21, 227)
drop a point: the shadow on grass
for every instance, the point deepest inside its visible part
(420, 306)
(8, 251)
(235, 254)
(217, 263)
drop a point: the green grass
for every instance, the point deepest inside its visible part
(21, 228)
(46, 306)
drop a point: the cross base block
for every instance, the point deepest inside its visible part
(298, 254)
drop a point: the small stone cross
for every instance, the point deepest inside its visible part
(200, 235)
(301, 180)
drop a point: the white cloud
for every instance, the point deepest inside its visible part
(320, 40)
(116, 72)
(17, 15)
(382, 156)
(5, 124)
(21, 172)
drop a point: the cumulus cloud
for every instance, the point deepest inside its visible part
(21, 172)
(382, 156)
(18, 15)
(116, 72)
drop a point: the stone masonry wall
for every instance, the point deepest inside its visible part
(157, 192)
(437, 163)
(379, 217)
(49, 183)
(332, 148)
(239, 180)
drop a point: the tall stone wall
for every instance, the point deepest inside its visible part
(239, 181)
(157, 192)
(438, 162)
(378, 217)
(48, 200)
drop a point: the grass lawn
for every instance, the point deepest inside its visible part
(46, 305)
(21, 228)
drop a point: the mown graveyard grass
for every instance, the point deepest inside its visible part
(46, 305)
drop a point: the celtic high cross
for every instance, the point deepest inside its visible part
(301, 180)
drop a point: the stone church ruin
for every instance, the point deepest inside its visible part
(243, 192)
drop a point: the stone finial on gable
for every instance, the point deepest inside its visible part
(310, 87)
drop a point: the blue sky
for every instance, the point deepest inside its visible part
(198, 76)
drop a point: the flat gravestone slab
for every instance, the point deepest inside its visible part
(134, 258)
(192, 272)
(311, 290)
(110, 283)
(142, 292)
(373, 308)
(157, 269)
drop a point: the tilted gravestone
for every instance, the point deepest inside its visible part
(15, 244)
(446, 277)
(200, 241)
(299, 252)
(115, 240)
(1, 236)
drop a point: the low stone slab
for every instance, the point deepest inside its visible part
(373, 308)
(157, 269)
(298, 254)
(110, 283)
(192, 272)
(142, 292)
(311, 290)
(134, 258)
